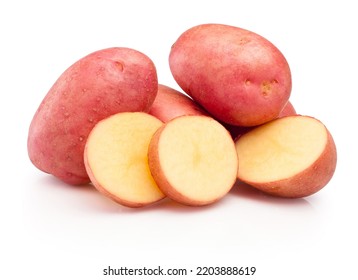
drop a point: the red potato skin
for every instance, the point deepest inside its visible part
(101, 84)
(170, 103)
(237, 131)
(238, 76)
(288, 110)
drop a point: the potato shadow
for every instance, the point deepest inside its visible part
(247, 192)
(86, 196)
(89, 199)
(173, 206)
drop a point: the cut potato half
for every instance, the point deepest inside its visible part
(116, 158)
(193, 160)
(293, 156)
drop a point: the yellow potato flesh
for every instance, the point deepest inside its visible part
(117, 155)
(280, 149)
(198, 158)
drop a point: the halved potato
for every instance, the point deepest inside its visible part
(116, 158)
(294, 156)
(193, 160)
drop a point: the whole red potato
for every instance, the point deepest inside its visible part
(238, 76)
(98, 85)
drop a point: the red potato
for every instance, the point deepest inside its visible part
(291, 157)
(116, 158)
(236, 131)
(100, 84)
(170, 103)
(238, 76)
(193, 160)
(288, 110)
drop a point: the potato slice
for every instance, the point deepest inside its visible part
(116, 158)
(293, 156)
(193, 160)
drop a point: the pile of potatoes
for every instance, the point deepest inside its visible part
(107, 121)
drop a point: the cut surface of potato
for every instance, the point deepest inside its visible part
(193, 160)
(116, 158)
(293, 156)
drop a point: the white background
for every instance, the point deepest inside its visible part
(53, 231)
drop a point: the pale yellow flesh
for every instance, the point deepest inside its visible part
(198, 158)
(117, 155)
(280, 149)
